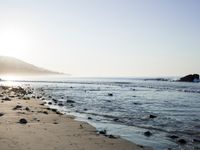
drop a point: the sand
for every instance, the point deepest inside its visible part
(48, 130)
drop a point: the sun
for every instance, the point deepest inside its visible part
(14, 42)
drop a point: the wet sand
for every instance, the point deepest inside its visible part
(27, 124)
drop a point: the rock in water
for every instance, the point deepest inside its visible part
(189, 78)
(147, 133)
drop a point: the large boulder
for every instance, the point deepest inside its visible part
(189, 78)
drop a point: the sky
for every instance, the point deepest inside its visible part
(104, 37)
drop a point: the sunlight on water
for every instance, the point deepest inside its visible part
(10, 80)
(11, 77)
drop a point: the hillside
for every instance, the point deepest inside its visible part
(13, 66)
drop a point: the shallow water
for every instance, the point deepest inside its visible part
(126, 112)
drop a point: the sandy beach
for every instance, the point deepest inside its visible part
(27, 124)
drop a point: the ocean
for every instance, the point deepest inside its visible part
(128, 107)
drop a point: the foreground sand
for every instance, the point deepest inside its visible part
(48, 130)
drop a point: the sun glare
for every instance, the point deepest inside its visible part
(14, 42)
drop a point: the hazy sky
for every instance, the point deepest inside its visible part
(104, 37)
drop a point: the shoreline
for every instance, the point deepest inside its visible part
(26, 123)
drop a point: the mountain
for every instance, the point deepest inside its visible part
(13, 66)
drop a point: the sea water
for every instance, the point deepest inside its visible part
(122, 107)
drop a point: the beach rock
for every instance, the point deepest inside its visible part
(152, 116)
(6, 99)
(54, 100)
(70, 101)
(89, 118)
(23, 121)
(1, 114)
(27, 109)
(43, 103)
(17, 107)
(50, 103)
(196, 140)
(103, 132)
(111, 136)
(116, 119)
(110, 94)
(85, 109)
(189, 78)
(45, 112)
(60, 104)
(173, 136)
(182, 141)
(148, 133)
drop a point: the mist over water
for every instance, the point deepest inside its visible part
(122, 106)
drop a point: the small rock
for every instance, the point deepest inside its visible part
(6, 99)
(54, 100)
(60, 104)
(70, 101)
(182, 141)
(45, 112)
(152, 116)
(1, 114)
(23, 121)
(43, 103)
(116, 119)
(27, 109)
(110, 94)
(103, 132)
(111, 136)
(148, 133)
(173, 136)
(196, 140)
(89, 118)
(85, 109)
(50, 103)
(17, 107)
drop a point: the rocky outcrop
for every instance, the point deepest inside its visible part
(189, 78)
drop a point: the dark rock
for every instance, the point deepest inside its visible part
(111, 136)
(1, 114)
(59, 113)
(148, 133)
(173, 136)
(182, 141)
(85, 109)
(45, 112)
(50, 103)
(189, 78)
(54, 100)
(89, 118)
(116, 119)
(17, 107)
(26, 98)
(110, 94)
(103, 132)
(70, 101)
(23, 121)
(27, 109)
(54, 110)
(136, 103)
(152, 116)
(6, 99)
(43, 103)
(196, 140)
(60, 104)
